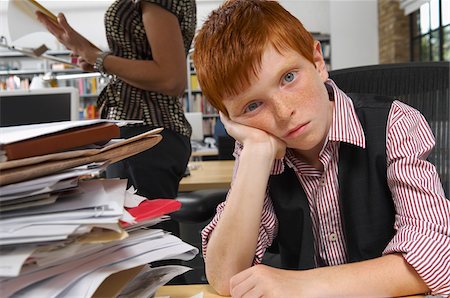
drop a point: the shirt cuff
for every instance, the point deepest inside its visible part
(428, 254)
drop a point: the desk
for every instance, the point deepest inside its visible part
(205, 152)
(207, 175)
(185, 291)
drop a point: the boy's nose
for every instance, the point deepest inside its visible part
(283, 107)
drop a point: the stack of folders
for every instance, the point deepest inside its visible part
(63, 234)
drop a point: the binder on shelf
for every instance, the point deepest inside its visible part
(99, 133)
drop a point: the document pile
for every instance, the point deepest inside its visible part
(51, 147)
(63, 234)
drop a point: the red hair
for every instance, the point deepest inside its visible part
(228, 48)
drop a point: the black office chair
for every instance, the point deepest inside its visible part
(422, 85)
(197, 210)
(225, 146)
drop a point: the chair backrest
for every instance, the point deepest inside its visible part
(422, 85)
(225, 147)
(225, 143)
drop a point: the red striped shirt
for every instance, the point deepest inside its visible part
(422, 219)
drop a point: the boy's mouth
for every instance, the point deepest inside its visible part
(296, 131)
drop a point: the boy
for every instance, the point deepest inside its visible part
(340, 185)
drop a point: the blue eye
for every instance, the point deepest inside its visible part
(252, 106)
(289, 77)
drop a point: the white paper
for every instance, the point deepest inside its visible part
(132, 199)
(37, 240)
(13, 134)
(62, 254)
(22, 19)
(55, 186)
(67, 273)
(47, 183)
(126, 258)
(150, 279)
(12, 259)
(127, 217)
(37, 230)
(34, 201)
(108, 194)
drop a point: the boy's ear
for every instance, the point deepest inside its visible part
(319, 61)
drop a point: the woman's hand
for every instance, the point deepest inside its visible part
(70, 38)
(84, 65)
(250, 135)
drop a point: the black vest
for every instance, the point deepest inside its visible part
(367, 208)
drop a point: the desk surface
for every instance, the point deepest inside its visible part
(205, 152)
(185, 291)
(207, 175)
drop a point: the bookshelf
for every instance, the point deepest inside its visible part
(20, 72)
(325, 42)
(195, 101)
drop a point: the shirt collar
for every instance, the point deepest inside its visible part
(345, 126)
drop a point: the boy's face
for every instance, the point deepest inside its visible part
(288, 100)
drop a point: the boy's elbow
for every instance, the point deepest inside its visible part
(220, 283)
(222, 290)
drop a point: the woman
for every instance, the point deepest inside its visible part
(146, 62)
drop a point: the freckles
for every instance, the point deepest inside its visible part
(257, 123)
(263, 122)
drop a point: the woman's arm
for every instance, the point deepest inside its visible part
(166, 73)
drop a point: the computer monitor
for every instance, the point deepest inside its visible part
(196, 121)
(19, 107)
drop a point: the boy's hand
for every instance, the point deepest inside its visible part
(265, 281)
(249, 135)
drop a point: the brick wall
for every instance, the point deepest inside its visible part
(393, 32)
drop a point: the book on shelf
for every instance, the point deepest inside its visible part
(87, 86)
(198, 103)
(89, 111)
(194, 82)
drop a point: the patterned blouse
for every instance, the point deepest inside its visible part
(126, 37)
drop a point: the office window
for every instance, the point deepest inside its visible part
(430, 32)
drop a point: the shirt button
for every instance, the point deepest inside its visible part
(332, 237)
(322, 180)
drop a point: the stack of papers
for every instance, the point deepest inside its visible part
(13, 171)
(64, 234)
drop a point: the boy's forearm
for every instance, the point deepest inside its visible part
(387, 276)
(232, 245)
